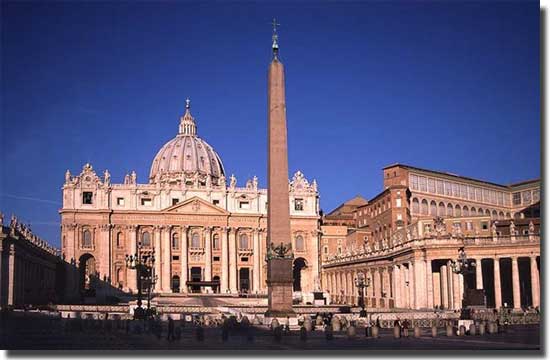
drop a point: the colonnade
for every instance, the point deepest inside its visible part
(433, 283)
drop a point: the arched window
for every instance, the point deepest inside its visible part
(195, 241)
(86, 239)
(494, 214)
(146, 239)
(508, 215)
(457, 211)
(480, 211)
(325, 250)
(449, 210)
(424, 207)
(487, 212)
(175, 241)
(216, 242)
(243, 241)
(433, 208)
(120, 239)
(501, 215)
(299, 243)
(465, 211)
(473, 211)
(441, 211)
(415, 206)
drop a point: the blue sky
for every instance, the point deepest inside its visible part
(448, 86)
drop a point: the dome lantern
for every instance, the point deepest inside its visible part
(187, 121)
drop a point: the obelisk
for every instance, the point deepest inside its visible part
(279, 274)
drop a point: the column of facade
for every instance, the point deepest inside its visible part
(11, 274)
(184, 258)
(479, 274)
(225, 263)
(535, 283)
(232, 260)
(515, 283)
(158, 262)
(351, 282)
(256, 266)
(208, 255)
(131, 275)
(420, 284)
(104, 246)
(444, 287)
(436, 285)
(456, 291)
(461, 289)
(498, 293)
(166, 256)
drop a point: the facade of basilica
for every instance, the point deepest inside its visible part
(205, 233)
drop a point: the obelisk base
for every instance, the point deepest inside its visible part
(279, 288)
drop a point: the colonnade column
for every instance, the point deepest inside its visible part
(456, 290)
(420, 284)
(412, 286)
(225, 264)
(131, 277)
(233, 260)
(208, 255)
(498, 293)
(450, 287)
(535, 283)
(257, 270)
(158, 286)
(444, 287)
(104, 250)
(479, 274)
(397, 286)
(184, 260)
(429, 284)
(166, 258)
(515, 283)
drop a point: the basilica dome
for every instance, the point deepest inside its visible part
(187, 156)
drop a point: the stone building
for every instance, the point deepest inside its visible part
(207, 234)
(412, 233)
(30, 268)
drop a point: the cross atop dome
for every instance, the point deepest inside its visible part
(187, 121)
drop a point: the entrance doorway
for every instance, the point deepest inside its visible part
(175, 284)
(196, 276)
(244, 280)
(299, 265)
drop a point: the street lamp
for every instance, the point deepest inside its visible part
(463, 266)
(144, 266)
(361, 284)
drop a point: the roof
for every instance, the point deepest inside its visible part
(459, 176)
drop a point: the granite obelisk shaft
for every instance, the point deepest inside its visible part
(279, 277)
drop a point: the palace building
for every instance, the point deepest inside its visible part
(408, 237)
(205, 232)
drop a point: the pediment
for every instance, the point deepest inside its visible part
(196, 205)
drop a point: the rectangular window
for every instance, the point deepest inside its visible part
(244, 259)
(399, 217)
(414, 182)
(146, 202)
(500, 198)
(398, 203)
(298, 204)
(440, 187)
(87, 197)
(216, 202)
(485, 195)
(216, 258)
(175, 201)
(517, 198)
(431, 186)
(471, 193)
(478, 195)
(484, 225)
(448, 189)
(175, 257)
(455, 190)
(120, 201)
(469, 226)
(463, 191)
(422, 183)
(526, 195)
(244, 205)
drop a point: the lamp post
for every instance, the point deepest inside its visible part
(144, 266)
(361, 284)
(462, 266)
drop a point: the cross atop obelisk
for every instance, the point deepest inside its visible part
(275, 37)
